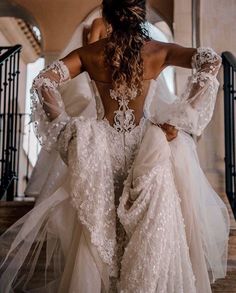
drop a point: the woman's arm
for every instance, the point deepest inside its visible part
(49, 79)
(194, 108)
(176, 55)
(47, 107)
(203, 59)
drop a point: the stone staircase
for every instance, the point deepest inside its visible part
(12, 211)
(228, 285)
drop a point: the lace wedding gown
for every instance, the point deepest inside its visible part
(174, 237)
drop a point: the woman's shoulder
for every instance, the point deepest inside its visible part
(153, 54)
(155, 46)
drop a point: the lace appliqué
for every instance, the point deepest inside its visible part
(124, 119)
(157, 256)
(47, 108)
(91, 181)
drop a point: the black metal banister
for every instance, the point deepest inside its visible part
(230, 58)
(229, 63)
(10, 51)
(9, 85)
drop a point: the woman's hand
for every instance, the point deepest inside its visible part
(170, 131)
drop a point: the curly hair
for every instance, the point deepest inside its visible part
(123, 49)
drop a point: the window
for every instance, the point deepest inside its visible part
(161, 32)
(31, 145)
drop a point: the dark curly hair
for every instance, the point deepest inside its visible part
(123, 49)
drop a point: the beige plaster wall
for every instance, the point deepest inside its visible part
(182, 36)
(217, 30)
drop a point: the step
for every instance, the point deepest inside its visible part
(11, 211)
(228, 284)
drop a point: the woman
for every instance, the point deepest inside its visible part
(117, 223)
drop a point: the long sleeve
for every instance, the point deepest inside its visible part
(47, 108)
(193, 110)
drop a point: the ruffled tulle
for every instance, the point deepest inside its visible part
(51, 241)
(206, 215)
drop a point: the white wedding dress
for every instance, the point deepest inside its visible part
(173, 239)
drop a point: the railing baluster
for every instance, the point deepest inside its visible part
(9, 132)
(229, 62)
(14, 117)
(5, 84)
(18, 153)
(1, 117)
(9, 142)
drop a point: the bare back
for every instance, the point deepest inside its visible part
(156, 56)
(93, 61)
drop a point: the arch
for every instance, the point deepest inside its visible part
(165, 9)
(11, 9)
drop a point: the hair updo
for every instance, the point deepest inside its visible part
(123, 49)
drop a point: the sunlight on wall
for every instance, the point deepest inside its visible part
(30, 142)
(157, 34)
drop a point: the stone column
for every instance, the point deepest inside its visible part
(182, 36)
(217, 30)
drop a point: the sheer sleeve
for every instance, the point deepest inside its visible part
(193, 110)
(47, 108)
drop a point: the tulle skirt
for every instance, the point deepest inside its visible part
(49, 250)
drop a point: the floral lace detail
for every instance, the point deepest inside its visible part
(47, 108)
(124, 119)
(206, 55)
(157, 244)
(162, 252)
(206, 62)
(123, 148)
(98, 164)
(91, 181)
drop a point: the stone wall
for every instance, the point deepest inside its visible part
(182, 36)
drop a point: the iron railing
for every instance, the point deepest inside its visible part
(9, 120)
(229, 62)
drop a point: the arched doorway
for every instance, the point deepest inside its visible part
(17, 26)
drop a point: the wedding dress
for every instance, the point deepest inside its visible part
(174, 236)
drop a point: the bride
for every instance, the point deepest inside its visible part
(134, 211)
